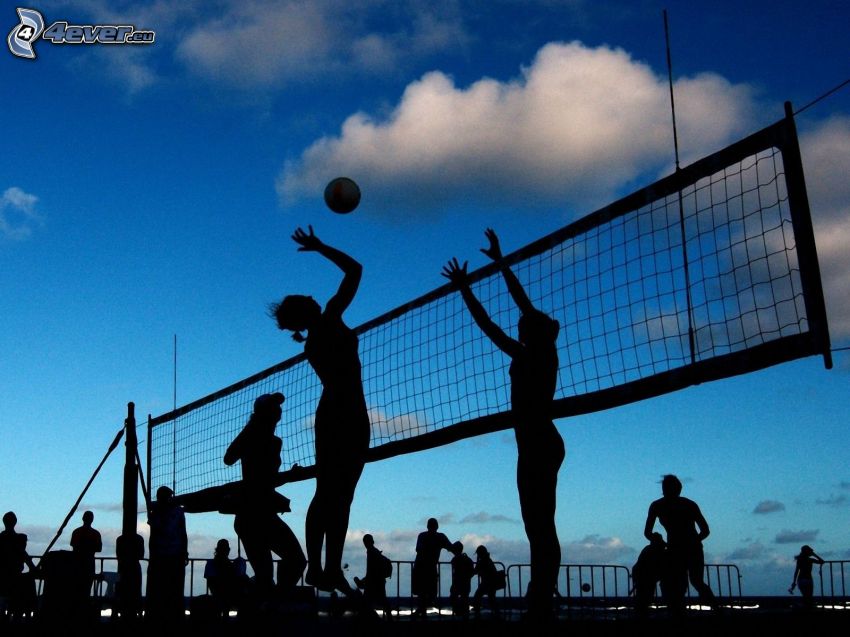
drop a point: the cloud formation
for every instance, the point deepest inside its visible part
(833, 501)
(595, 549)
(826, 162)
(482, 517)
(256, 45)
(768, 506)
(795, 537)
(18, 216)
(577, 125)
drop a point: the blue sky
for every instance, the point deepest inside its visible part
(150, 191)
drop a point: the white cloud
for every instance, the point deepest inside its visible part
(260, 44)
(594, 549)
(826, 163)
(18, 216)
(577, 125)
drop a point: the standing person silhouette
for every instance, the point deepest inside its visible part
(540, 448)
(426, 566)
(85, 542)
(488, 580)
(374, 583)
(226, 579)
(463, 568)
(257, 522)
(342, 427)
(803, 579)
(17, 586)
(168, 548)
(686, 529)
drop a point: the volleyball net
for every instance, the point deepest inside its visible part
(708, 273)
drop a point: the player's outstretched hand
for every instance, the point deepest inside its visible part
(455, 272)
(308, 242)
(495, 250)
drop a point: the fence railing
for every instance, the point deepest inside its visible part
(580, 586)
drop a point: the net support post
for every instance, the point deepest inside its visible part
(801, 219)
(130, 546)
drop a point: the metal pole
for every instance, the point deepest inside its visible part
(130, 546)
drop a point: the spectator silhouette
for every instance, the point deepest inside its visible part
(342, 428)
(649, 570)
(463, 568)
(168, 555)
(489, 580)
(540, 448)
(803, 579)
(16, 585)
(257, 522)
(226, 579)
(374, 583)
(85, 543)
(686, 529)
(429, 544)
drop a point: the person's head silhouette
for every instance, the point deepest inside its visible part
(368, 541)
(164, 494)
(268, 407)
(222, 548)
(534, 327)
(10, 520)
(88, 518)
(432, 524)
(671, 486)
(296, 312)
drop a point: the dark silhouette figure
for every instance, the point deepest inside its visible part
(649, 571)
(490, 580)
(342, 428)
(16, 585)
(374, 583)
(463, 568)
(257, 522)
(429, 544)
(540, 448)
(227, 580)
(686, 529)
(85, 543)
(130, 550)
(168, 550)
(803, 579)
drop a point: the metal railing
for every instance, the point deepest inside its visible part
(586, 587)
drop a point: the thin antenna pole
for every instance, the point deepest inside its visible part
(175, 372)
(670, 82)
(174, 427)
(686, 269)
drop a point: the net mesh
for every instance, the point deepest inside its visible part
(707, 270)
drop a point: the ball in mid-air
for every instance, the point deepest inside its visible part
(585, 587)
(342, 195)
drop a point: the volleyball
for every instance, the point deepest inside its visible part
(342, 195)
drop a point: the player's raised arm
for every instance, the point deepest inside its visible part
(494, 251)
(457, 274)
(352, 270)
